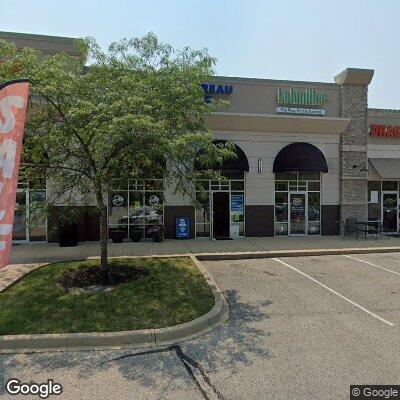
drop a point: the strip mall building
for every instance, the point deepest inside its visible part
(310, 154)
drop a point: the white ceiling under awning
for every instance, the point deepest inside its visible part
(387, 168)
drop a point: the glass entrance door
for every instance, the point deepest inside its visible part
(19, 228)
(389, 212)
(298, 223)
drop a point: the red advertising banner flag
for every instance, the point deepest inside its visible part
(13, 105)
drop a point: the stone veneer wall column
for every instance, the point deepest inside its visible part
(353, 145)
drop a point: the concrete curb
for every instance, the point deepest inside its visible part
(293, 253)
(122, 339)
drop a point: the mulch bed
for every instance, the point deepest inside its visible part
(92, 276)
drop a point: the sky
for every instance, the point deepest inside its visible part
(304, 40)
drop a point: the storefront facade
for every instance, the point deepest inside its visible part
(290, 182)
(384, 168)
(310, 155)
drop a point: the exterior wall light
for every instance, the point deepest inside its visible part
(362, 167)
(260, 165)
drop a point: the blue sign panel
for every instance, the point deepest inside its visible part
(237, 203)
(212, 88)
(237, 207)
(182, 227)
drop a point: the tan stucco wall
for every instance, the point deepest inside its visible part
(47, 45)
(260, 189)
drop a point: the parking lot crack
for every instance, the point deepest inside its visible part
(189, 364)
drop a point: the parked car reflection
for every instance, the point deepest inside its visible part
(147, 214)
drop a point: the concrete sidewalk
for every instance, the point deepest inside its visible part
(51, 252)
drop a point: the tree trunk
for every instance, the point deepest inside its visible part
(103, 238)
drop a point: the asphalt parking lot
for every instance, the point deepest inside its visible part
(300, 328)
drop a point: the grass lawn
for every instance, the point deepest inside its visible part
(175, 292)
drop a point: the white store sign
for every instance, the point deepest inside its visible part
(297, 110)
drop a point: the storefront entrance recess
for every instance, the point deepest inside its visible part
(221, 215)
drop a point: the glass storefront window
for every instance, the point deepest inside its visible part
(281, 228)
(138, 207)
(237, 185)
(202, 230)
(285, 176)
(314, 186)
(374, 201)
(203, 207)
(389, 186)
(281, 207)
(19, 226)
(389, 212)
(302, 185)
(202, 185)
(30, 219)
(309, 176)
(215, 185)
(118, 210)
(314, 213)
(37, 217)
(314, 228)
(313, 206)
(281, 186)
(293, 185)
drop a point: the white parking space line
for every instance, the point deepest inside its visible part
(336, 293)
(373, 265)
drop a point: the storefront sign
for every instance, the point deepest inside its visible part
(13, 104)
(182, 227)
(384, 130)
(300, 111)
(212, 88)
(309, 97)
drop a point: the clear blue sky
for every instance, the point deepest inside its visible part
(292, 39)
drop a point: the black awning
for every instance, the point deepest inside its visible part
(239, 163)
(300, 157)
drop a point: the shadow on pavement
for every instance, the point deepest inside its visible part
(164, 369)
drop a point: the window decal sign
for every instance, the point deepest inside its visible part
(13, 105)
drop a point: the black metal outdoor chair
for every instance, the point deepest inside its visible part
(375, 229)
(350, 228)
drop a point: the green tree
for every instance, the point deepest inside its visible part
(134, 105)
